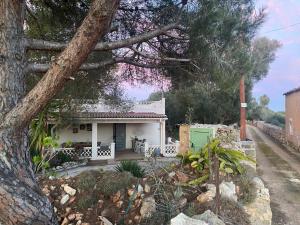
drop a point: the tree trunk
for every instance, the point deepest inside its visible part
(21, 201)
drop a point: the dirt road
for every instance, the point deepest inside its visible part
(280, 169)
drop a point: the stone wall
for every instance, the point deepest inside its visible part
(274, 131)
(278, 133)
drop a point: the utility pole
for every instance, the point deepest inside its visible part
(243, 109)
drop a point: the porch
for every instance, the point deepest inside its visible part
(112, 138)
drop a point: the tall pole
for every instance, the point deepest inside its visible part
(243, 109)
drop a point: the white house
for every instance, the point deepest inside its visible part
(102, 132)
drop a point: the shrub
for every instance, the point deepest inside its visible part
(247, 189)
(86, 180)
(86, 201)
(131, 166)
(113, 182)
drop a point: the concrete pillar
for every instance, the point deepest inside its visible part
(162, 136)
(94, 140)
(112, 149)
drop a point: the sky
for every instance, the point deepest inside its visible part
(284, 73)
(283, 24)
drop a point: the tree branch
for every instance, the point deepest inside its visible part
(35, 44)
(44, 67)
(145, 55)
(93, 28)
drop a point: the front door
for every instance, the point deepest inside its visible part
(120, 136)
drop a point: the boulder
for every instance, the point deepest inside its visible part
(259, 210)
(227, 190)
(64, 199)
(70, 191)
(210, 218)
(148, 207)
(182, 219)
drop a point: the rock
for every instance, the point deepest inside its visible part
(207, 196)
(109, 212)
(137, 219)
(68, 210)
(85, 224)
(130, 192)
(52, 188)
(182, 219)
(100, 203)
(70, 191)
(227, 190)
(46, 191)
(130, 222)
(105, 221)
(72, 199)
(79, 222)
(137, 203)
(172, 174)
(55, 209)
(182, 203)
(182, 177)
(209, 217)
(71, 217)
(147, 188)
(64, 199)
(78, 216)
(140, 189)
(119, 204)
(51, 177)
(65, 221)
(116, 197)
(259, 210)
(148, 207)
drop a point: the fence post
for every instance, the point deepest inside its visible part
(112, 150)
(177, 144)
(146, 146)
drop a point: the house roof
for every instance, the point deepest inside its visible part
(292, 91)
(125, 115)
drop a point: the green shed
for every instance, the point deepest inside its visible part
(200, 137)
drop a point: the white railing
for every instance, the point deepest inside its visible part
(68, 151)
(169, 150)
(103, 152)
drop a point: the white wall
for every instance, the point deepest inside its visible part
(105, 134)
(148, 131)
(145, 106)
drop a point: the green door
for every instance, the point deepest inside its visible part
(120, 136)
(200, 137)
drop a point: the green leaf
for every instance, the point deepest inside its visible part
(228, 170)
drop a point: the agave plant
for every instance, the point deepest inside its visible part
(131, 166)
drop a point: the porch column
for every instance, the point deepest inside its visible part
(94, 140)
(162, 136)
